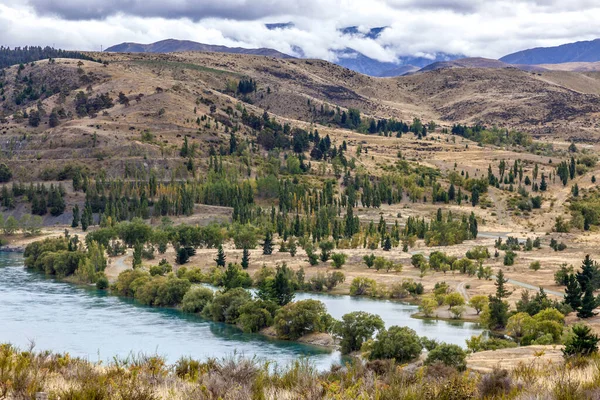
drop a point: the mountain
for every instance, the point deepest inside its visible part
(586, 51)
(173, 45)
(348, 57)
(477, 62)
(356, 61)
(365, 65)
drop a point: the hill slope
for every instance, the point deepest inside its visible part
(585, 51)
(173, 45)
(135, 111)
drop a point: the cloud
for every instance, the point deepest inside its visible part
(192, 9)
(313, 28)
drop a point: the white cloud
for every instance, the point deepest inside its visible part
(470, 27)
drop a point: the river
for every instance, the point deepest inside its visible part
(87, 323)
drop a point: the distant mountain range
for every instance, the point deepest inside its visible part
(173, 45)
(579, 55)
(587, 51)
(347, 57)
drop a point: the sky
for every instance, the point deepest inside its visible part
(484, 28)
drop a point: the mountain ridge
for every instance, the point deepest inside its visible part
(582, 51)
(176, 45)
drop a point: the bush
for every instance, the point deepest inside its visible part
(225, 306)
(5, 173)
(339, 259)
(481, 343)
(195, 300)
(300, 318)
(256, 315)
(172, 291)
(496, 384)
(234, 277)
(355, 328)
(509, 257)
(102, 282)
(449, 354)
(400, 343)
(535, 266)
(361, 286)
(125, 282)
(161, 269)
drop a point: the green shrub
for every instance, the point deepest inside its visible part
(226, 305)
(300, 318)
(449, 354)
(399, 343)
(355, 328)
(256, 315)
(102, 282)
(196, 299)
(172, 291)
(361, 286)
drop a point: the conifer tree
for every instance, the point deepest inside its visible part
(588, 304)
(221, 258)
(589, 274)
(573, 293)
(387, 244)
(75, 222)
(501, 291)
(245, 258)
(268, 244)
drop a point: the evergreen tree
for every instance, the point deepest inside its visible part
(245, 258)
(387, 244)
(75, 222)
(573, 293)
(498, 313)
(221, 258)
(473, 226)
(85, 219)
(543, 184)
(588, 304)
(583, 342)
(268, 244)
(501, 291)
(475, 197)
(589, 274)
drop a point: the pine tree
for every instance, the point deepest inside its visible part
(245, 258)
(543, 184)
(588, 304)
(589, 274)
(573, 293)
(221, 258)
(292, 247)
(501, 291)
(75, 222)
(268, 244)
(387, 244)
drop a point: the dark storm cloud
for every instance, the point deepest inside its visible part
(242, 10)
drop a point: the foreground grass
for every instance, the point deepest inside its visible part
(24, 373)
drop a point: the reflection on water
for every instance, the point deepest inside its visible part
(84, 322)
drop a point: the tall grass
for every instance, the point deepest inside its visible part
(23, 373)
